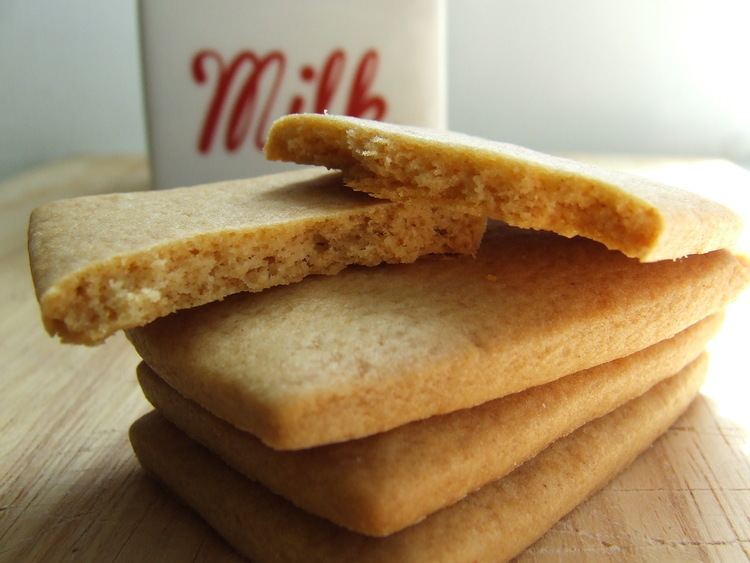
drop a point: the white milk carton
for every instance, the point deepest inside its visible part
(217, 73)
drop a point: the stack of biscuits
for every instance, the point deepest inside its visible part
(386, 376)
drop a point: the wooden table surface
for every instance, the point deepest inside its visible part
(70, 487)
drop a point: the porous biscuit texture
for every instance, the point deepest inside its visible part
(336, 358)
(118, 261)
(381, 484)
(524, 188)
(493, 524)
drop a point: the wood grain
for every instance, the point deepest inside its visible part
(71, 490)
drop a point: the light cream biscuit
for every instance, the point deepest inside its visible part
(337, 358)
(493, 524)
(642, 218)
(109, 262)
(381, 484)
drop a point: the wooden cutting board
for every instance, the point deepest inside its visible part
(70, 488)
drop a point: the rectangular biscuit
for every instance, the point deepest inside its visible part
(381, 484)
(642, 218)
(337, 358)
(109, 262)
(493, 524)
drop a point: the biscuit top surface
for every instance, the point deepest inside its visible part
(642, 218)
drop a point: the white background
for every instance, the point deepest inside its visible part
(636, 76)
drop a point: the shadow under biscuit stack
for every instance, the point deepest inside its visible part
(432, 390)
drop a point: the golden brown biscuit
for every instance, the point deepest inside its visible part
(337, 358)
(108, 262)
(493, 524)
(381, 484)
(642, 218)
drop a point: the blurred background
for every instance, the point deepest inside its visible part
(637, 77)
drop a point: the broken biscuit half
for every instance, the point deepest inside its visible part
(118, 261)
(639, 217)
